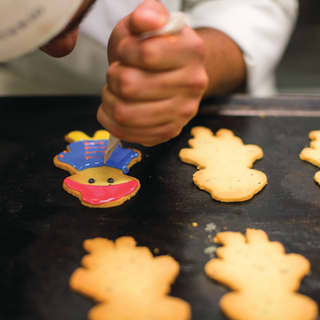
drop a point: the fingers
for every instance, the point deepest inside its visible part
(154, 86)
(149, 15)
(147, 123)
(146, 136)
(163, 52)
(129, 114)
(134, 84)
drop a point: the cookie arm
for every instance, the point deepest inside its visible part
(223, 272)
(191, 156)
(311, 155)
(254, 151)
(229, 238)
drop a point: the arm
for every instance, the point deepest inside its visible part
(224, 62)
(261, 29)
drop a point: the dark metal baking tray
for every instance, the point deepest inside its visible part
(42, 227)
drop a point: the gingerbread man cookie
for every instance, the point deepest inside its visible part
(264, 278)
(312, 154)
(224, 165)
(128, 282)
(95, 183)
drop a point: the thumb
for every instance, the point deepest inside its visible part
(148, 16)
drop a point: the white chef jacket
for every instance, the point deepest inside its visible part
(261, 28)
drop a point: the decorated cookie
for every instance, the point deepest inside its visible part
(264, 278)
(95, 183)
(224, 165)
(89, 153)
(312, 154)
(128, 282)
(101, 187)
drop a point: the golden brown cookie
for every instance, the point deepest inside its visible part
(128, 282)
(312, 154)
(264, 278)
(224, 164)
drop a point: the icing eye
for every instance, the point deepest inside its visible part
(110, 180)
(91, 180)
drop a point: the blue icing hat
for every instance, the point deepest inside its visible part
(90, 154)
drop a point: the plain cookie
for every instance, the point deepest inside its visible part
(128, 282)
(264, 278)
(224, 164)
(312, 154)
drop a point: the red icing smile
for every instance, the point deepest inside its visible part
(97, 195)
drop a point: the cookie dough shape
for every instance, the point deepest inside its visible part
(93, 182)
(312, 154)
(128, 282)
(264, 278)
(224, 165)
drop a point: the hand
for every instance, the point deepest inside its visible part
(154, 86)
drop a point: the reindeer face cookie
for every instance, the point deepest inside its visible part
(312, 154)
(264, 277)
(224, 165)
(97, 184)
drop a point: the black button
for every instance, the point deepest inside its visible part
(91, 180)
(110, 180)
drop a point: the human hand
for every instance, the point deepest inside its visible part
(154, 86)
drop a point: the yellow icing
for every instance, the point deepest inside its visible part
(75, 136)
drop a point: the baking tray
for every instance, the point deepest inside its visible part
(42, 227)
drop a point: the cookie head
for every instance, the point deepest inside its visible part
(101, 187)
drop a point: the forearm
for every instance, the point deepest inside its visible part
(224, 62)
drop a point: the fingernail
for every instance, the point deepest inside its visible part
(156, 16)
